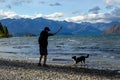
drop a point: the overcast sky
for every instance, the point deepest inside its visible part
(69, 10)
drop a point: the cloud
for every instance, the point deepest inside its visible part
(10, 3)
(9, 14)
(75, 12)
(100, 17)
(87, 18)
(2, 1)
(21, 2)
(91, 17)
(95, 10)
(54, 16)
(109, 2)
(55, 4)
(109, 7)
(116, 11)
(9, 6)
(41, 2)
(113, 15)
(17, 2)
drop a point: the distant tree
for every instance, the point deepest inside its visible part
(1, 28)
(5, 31)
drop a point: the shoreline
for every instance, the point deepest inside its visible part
(93, 62)
(23, 70)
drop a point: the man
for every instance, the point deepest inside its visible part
(43, 43)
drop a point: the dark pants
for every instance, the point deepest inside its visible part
(43, 50)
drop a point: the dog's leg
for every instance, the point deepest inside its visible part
(84, 61)
(74, 63)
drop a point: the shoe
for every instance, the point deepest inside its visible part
(39, 64)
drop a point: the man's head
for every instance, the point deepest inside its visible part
(47, 29)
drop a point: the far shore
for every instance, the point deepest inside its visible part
(22, 70)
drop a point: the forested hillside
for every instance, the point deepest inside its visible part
(3, 31)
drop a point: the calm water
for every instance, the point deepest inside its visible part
(104, 50)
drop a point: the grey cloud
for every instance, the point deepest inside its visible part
(109, 7)
(5, 5)
(95, 10)
(113, 16)
(41, 2)
(20, 2)
(2, 1)
(55, 4)
(116, 11)
(9, 6)
(2, 16)
(75, 12)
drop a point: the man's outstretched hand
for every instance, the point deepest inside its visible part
(58, 30)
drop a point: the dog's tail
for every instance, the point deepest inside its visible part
(87, 56)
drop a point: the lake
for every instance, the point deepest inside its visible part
(104, 50)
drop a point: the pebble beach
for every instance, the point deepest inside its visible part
(22, 70)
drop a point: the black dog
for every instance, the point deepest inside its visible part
(80, 59)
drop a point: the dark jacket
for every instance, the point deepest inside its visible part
(43, 38)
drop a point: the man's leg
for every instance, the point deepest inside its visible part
(40, 59)
(45, 59)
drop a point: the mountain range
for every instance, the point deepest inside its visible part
(22, 26)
